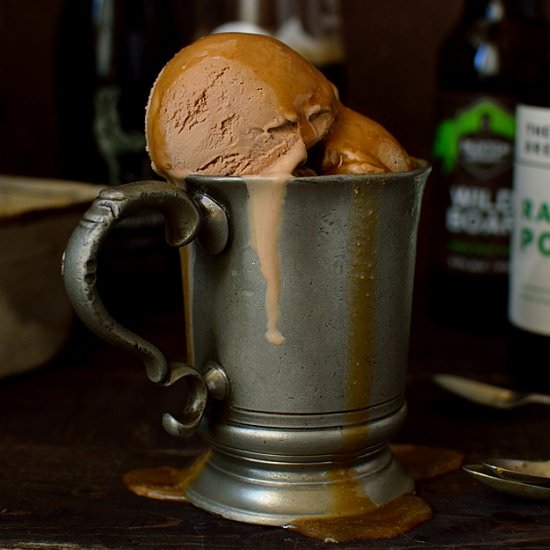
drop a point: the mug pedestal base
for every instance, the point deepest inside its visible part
(276, 493)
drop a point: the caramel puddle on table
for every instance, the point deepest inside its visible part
(164, 482)
(354, 515)
(391, 520)
(367, 521)
(424, 462)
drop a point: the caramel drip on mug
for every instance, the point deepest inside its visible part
(361, 298)
(186, 260)
(265, 206)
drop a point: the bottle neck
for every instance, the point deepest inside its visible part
(494, 11)
(489, 10)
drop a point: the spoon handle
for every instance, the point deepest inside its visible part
(539, 398)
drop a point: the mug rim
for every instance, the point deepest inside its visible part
(421, 167)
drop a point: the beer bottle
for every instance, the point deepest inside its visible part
(482, 69)
(108, 55)
(529, 304)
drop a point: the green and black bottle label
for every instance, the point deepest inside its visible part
(474, 147)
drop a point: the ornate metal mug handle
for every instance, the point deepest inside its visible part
(183, 218)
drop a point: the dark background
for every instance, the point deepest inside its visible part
(391, 49)
(71, 431)
(390, 75)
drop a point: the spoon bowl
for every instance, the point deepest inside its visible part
(488, 394)
(508, 486)
(528, 471)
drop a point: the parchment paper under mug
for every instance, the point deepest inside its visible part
(292, 427)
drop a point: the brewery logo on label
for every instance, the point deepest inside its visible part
(484, 154)
(480, 137)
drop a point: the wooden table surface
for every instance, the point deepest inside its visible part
(70, 430)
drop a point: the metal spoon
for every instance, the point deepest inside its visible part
(528, 471)
(505, 485)
(487, 394)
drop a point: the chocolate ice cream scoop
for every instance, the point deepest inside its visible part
(358, 145)
(236, 104)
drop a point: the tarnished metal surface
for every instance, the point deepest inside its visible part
(80, 266)
(299, 424)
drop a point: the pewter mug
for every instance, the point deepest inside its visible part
(293, 426)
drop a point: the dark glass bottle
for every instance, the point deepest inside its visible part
(483, 70)
(108, 54)
(529, 305)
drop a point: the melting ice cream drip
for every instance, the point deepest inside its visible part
(265, 206)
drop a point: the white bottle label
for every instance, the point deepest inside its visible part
(530, 254)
